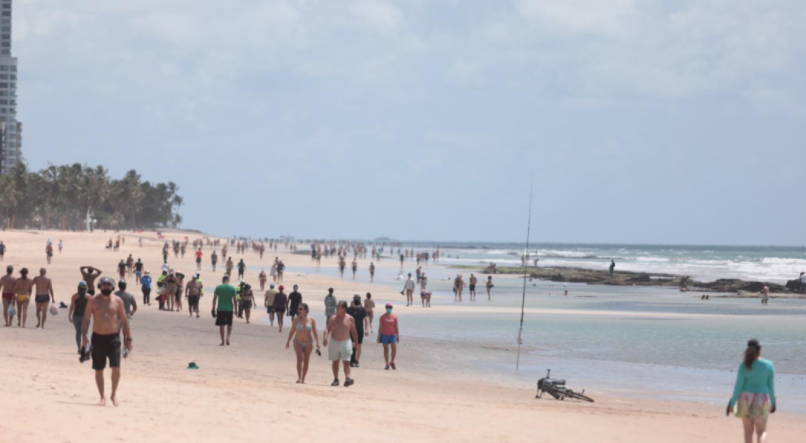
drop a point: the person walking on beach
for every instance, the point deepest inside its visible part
(78, 305)
(303, 331)
(280, 304)
(213, 259)
(193, 292)
(44, 296)
(458, 286)
(2, 251)
(224, 302)
(280, 271)
(199, 254)
(473, 282)
(490, 286)
(108, 317)
(372, 272)
(754, 393)
(129, 302)
(89, 274)
(330, 304)
(261, 278)
(268, 302)
(359, 315)
(408, 287)
(145, 286)
(340, 329)
(765, 295)
(241, 269)
(423, 282)
(49, 252)
(228, 267)
(389, 336)
(8, 286)
(247, 301)
(369, 305)
(138, 272)
(61, 246)
(23, 287)
(294, 300)
(612, 266)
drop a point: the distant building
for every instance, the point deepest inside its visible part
(10, 128)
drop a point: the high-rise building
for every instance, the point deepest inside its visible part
(10, 128)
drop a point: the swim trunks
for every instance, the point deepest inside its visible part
(42, 298)
(340, 350)
(223, 318)
(472, 287)
(8, 296)
(193, 301)
(105, 347)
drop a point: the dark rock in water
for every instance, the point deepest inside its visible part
(643, 278)
(793, 285)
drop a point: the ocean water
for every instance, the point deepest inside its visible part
(654, 342)
(706, 263)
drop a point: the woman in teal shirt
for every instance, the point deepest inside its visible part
(754, 394)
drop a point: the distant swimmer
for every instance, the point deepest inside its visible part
(108, 316)
(612, 266)
(765, 295)
(44, 296)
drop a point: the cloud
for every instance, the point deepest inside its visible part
(377, 14)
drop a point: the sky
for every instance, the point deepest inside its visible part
(640, 121)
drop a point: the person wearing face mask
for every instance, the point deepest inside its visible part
(78, 304)
(108, 317)
(389, 336)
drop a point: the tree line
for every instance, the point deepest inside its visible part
(68, 196)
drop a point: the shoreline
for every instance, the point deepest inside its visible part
(568, 274)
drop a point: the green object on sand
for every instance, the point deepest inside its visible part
(192, 365)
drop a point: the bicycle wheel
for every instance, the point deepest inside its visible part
(578, 396)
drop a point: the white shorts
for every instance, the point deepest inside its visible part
(340, 350)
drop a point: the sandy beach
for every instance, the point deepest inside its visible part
(247, 391)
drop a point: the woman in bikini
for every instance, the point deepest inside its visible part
(23, 287)
(302, 328)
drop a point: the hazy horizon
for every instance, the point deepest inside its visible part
(642, 122)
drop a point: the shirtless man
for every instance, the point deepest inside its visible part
(340, 329)
(765, 295)
(49, 251)
(44, 296)
(7, 285)
(108, 315)
(89, 274)
(473, 282)
(23, 287)
(193, 292)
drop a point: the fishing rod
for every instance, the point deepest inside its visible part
(525, 274)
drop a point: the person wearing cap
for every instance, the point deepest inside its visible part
(340, 329)
(7, 285)
(108, 316)
(280, 305)
(145, 286)
(294, 300)
(78, 305)
(754, 392)
(389, 335)
(224, 302)
(268, 302)
(193, 293)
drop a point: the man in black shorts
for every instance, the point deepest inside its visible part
(108, 316)
(224, 302)
(294, 300)
(359, 314)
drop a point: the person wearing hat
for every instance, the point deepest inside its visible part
(224, 302)
(108, 317)
(78, 305)
(294, 300)
(145, 286)
(193, 293)
(280, 305)
(389, 335)
(268, 302)
(754, 392)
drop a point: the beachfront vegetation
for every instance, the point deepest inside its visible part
(65, 197)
